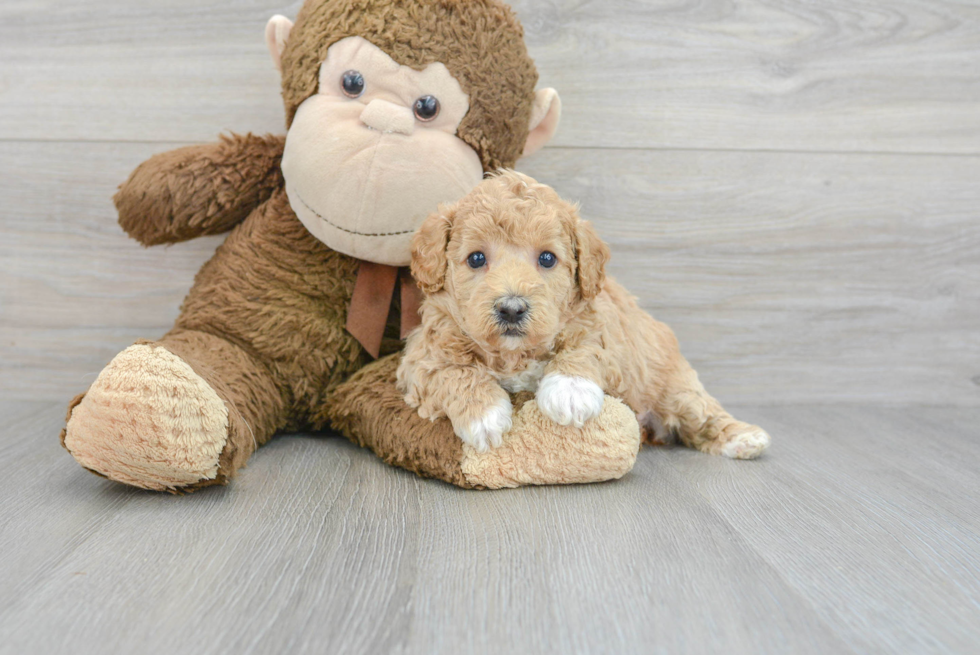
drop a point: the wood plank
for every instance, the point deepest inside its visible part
(13, 411)
(52, 505)
(852, 535)
(797, 277)
(858, 507)
(639, 565)
(863, 75)
(868, 75)
(787, 277)
(74, 288)
(320, 547)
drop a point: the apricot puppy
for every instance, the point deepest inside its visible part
(517, 300)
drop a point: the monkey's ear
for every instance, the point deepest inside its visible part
(544, 120)
(276, 33)
(592, 254)
(429, 246)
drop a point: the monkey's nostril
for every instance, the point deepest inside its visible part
(511, 309)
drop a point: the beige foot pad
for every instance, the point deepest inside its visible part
(149, 421)
(539, 451)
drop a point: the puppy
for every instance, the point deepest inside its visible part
(517, 300)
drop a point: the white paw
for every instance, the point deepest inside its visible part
(489, 429)
(569, 400)
(747, 445)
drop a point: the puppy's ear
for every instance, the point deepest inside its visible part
(592, 254)
(429, 249)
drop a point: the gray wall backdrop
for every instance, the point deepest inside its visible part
(793, 186)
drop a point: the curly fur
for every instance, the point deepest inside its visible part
(585, 328)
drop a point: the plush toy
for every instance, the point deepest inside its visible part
(392, 107)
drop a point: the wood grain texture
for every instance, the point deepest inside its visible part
(843, 539)
(855, 494)
(787, 277)
(831, 75)
(855, 75)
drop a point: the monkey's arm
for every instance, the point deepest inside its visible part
(372, 412)
(199, 190)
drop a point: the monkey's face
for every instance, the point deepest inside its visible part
(375, 151)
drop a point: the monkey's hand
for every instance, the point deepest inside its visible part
(199, 190)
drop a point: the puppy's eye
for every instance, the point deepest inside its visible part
(547, 259)
(476, 260)
(426, 108)
(352, 82)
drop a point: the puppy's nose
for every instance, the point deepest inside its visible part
(511, 309)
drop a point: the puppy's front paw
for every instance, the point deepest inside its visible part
(569, 400)
(488, 430)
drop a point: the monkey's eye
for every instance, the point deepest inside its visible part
(426, 108)
(352, 83)
(547, 259)
(476, 259)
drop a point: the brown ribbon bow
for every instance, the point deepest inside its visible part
(374, 292)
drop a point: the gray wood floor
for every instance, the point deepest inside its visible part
(794, 186)
(857, 534)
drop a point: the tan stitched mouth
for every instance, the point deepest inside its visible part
(344, 229)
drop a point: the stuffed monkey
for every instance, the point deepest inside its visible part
(392, 107)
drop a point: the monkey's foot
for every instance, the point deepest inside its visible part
(537, 450)
(149, 421)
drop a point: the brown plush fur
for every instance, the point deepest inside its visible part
(370, 411)
(579, 325)
(263, 325)
(479, 41)
(199, 190)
